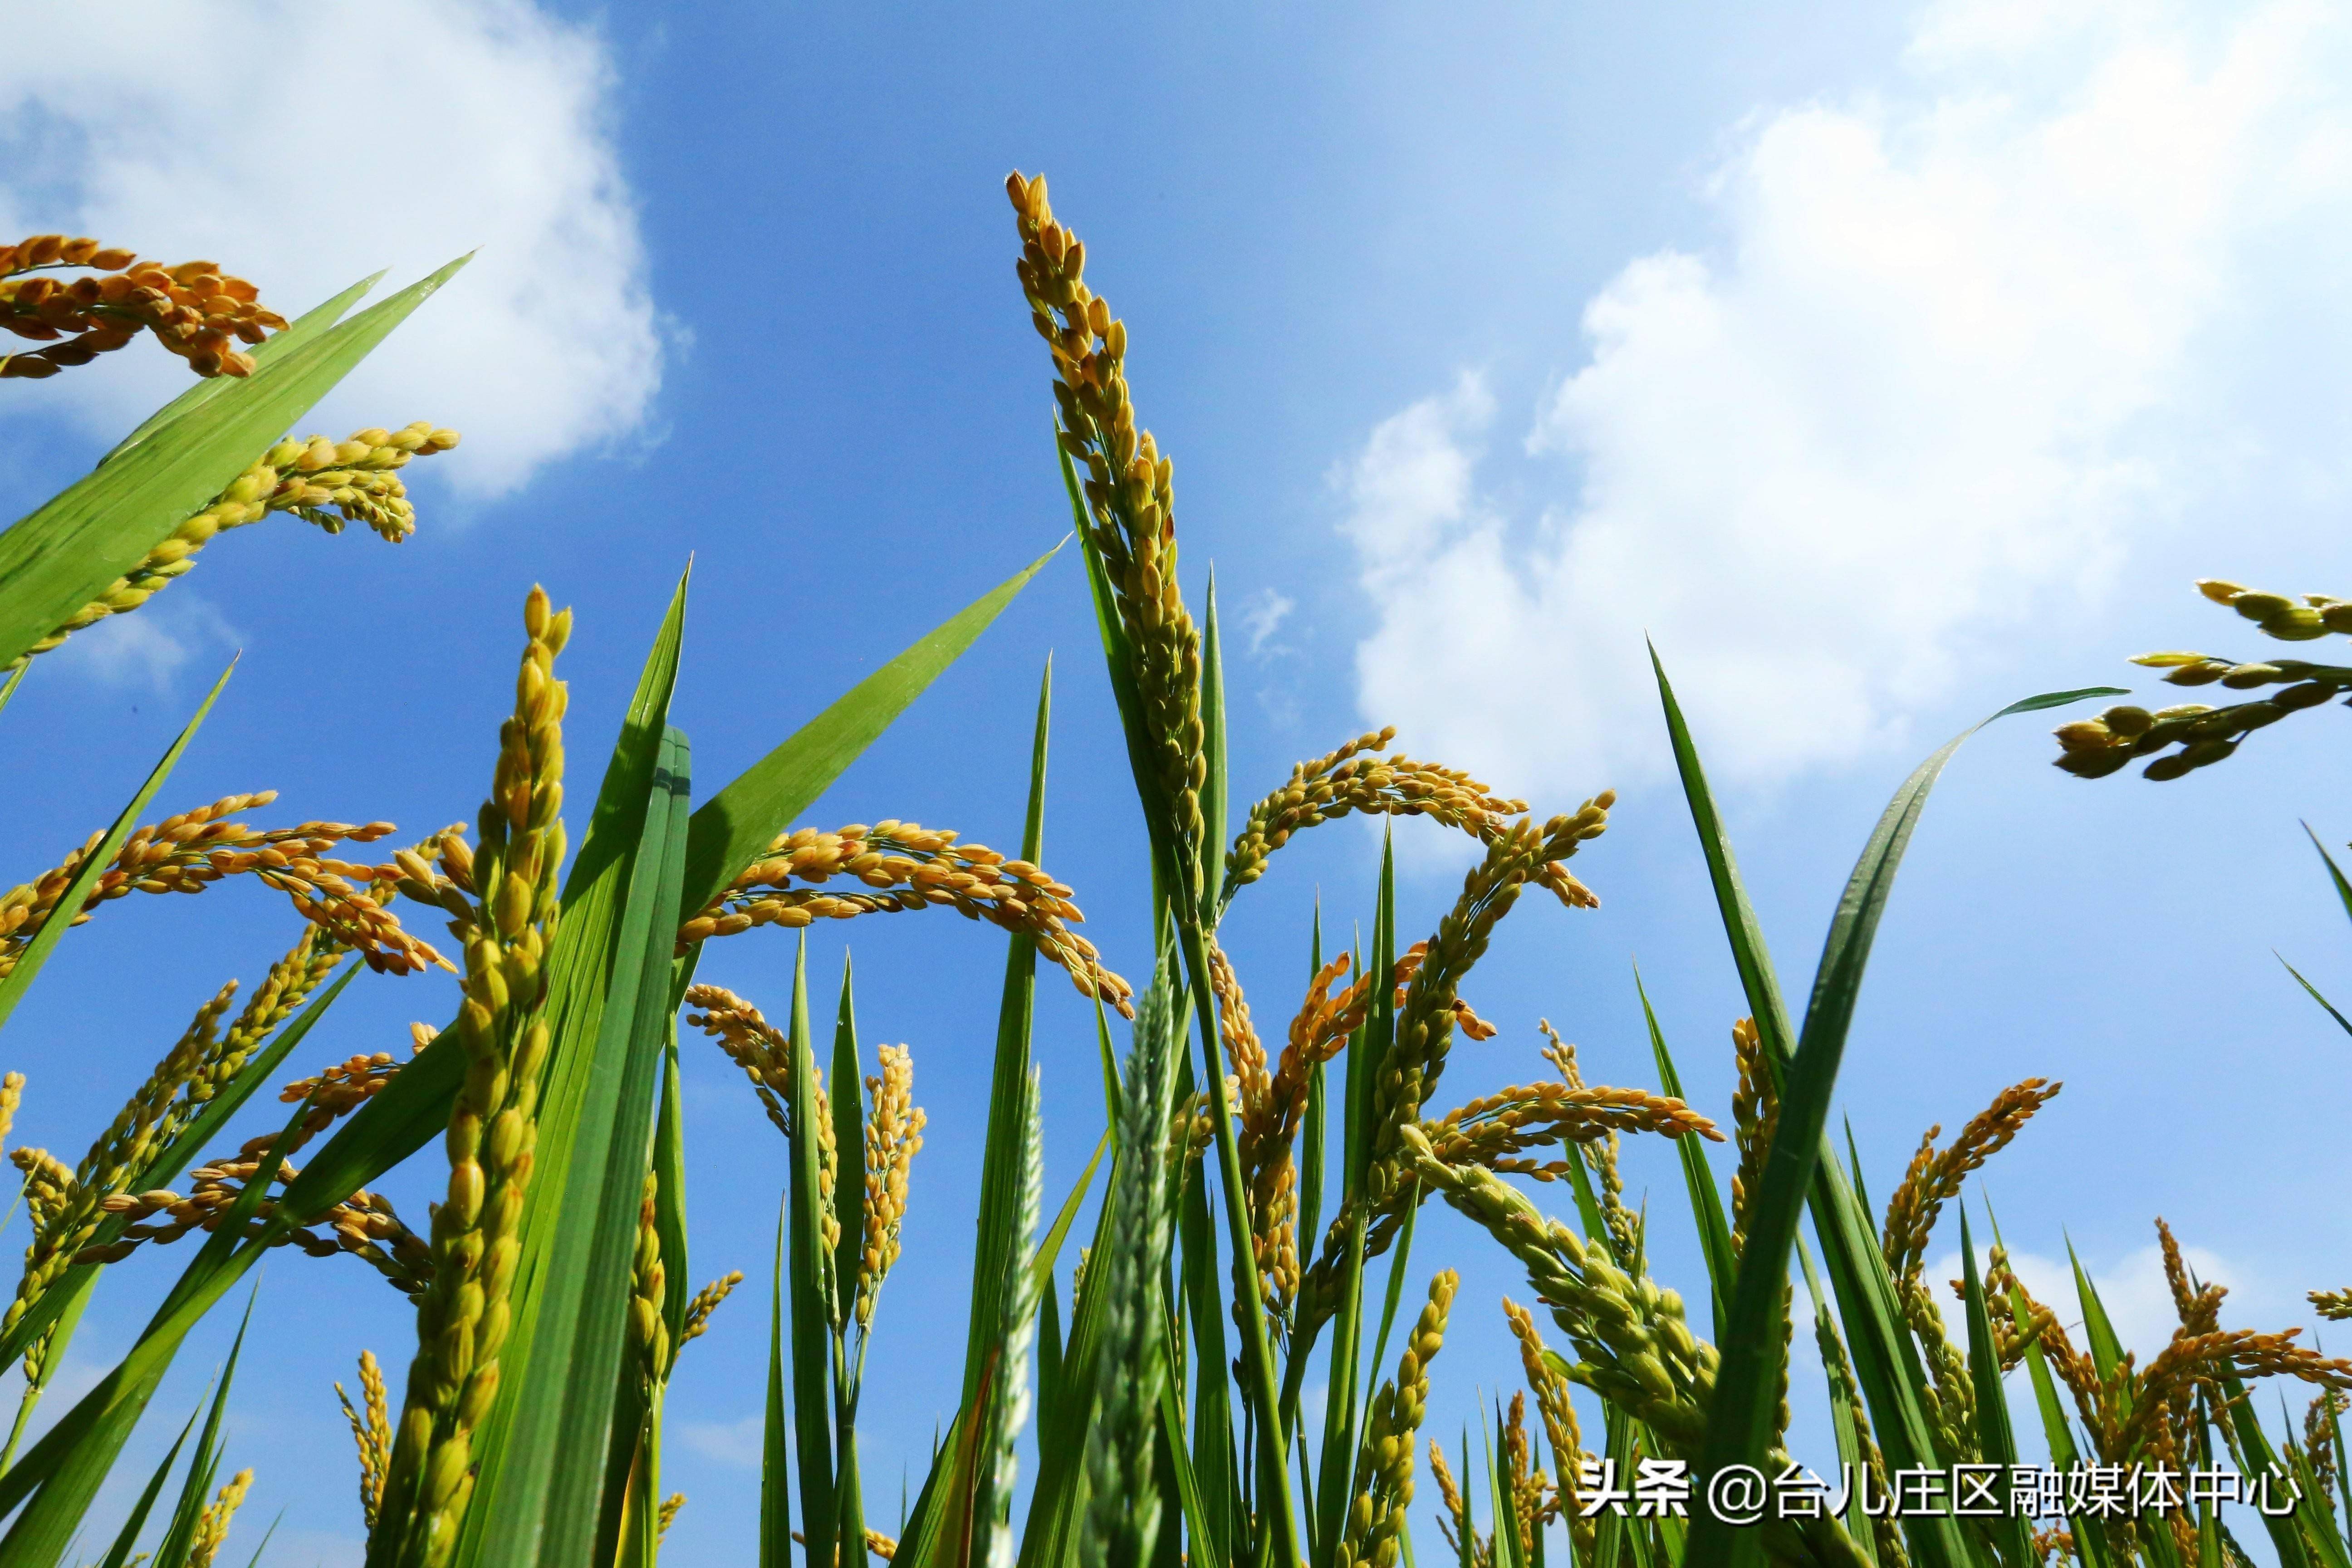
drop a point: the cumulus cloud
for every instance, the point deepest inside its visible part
(150, 648)
(1262, 616)
(1956, 350)
(307, 145)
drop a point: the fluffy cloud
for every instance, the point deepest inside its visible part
(1956, 350)
(149, 648)
(305, 145)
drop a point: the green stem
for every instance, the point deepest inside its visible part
(1279, 1542)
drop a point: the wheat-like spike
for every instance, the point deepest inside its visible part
(894, 1136)
(462, 1321)
(212, 1524)
(648, 1283)
(1130, 510)
(669, 1507)
(1755, 1116)
(1122, 1518)
(371, 1423)
(195, 309)
(1381, 1488)
(2334, 1305)
(905, 866)
(325, 483)
(2094, 748)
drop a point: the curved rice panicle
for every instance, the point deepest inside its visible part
(195, 309)
(904, 866)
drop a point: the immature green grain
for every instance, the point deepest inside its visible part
(669, 1515)
(1380, 1490)
(2094, 748)
(704, 1302)
(463, 1321)
(325, 483)
(1526, 1481)
(648, 1288)
(1755, 1116)
(1123, 1518)
(195, 309)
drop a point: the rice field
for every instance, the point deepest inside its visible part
(1218, 1345)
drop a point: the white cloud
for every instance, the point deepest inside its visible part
(2132, 1290)
(735, 1443)
(1262, 616)
(305, 145)
(149, 647)
(1956, 350)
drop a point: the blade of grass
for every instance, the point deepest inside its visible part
(118, 1554)
(550, 1470)
(1740, 1420)
(66, 554)
(848, 1103)
(730, 830)
(1214, 787)
(1996, 1443)
(204, 1467)
(301, 329)
(1000, 1172)
(775, 1459)
(804, 1266)
(53, 930)
(2313, 992)
(1699, 1177)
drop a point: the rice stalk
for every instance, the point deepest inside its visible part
(463, 1321)
(371, 1424)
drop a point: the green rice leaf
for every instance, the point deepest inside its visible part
(543, 1482)
(776, 1453)
(805, 1265)
(118, 1554)
(1996, 1444)
(1698, 1178)
(179, 1538)
(67, 553)
(93, 866)
(730, 830)
(1740, 1419)
(1216, 788)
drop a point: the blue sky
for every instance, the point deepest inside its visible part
(1883, 364)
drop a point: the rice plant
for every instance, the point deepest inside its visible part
(1252, 1226)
